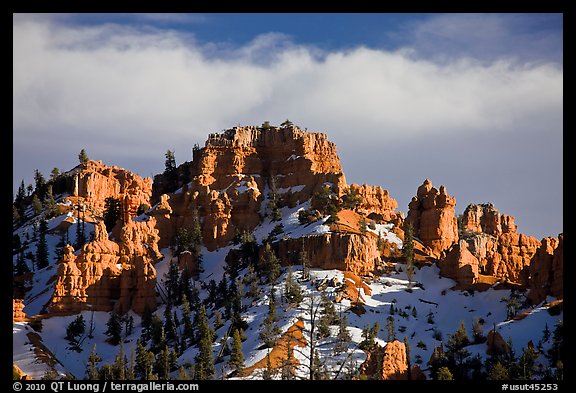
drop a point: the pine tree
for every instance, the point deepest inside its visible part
(49, 202)
(162, 365)
(391, 329)
(292, 291)
(270, 331)
(54, 174)
(75, 329)
(169, 324)
(40, 183)
(408, 360)
(343, 337)
(205, 362)
(236, 360)
(172, 283)
(42, 249)
(146, 324)
(112, 212)
(444, 374)
(144, 362)
(408, 254)
(498, 372)
(83, 157)
(187, 322)
(36, 205)
(92, 366)
(268, 372)
(114, 328)
(119, 365)
(269, 264)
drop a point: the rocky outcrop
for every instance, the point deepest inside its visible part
(18, 314)
(393, 364)
(94, 182)
(557, 287)
(431, 214)
(495, 343)
(542, 270)
(492, 239)
(512, 257)
(241, 167)
(460, 265)
(376, 203)
(343, 251)
(109, 275)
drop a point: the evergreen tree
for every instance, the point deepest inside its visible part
(444, 374)
(157, 332)
(328, 316)
(170, 170)
(546, 334)
(292, 291)
(270, 331)
(36, 205)
(112, 212)
(170, 325)
(40, 183)
(146, 324)
(75, 329)
(456, 352)
(408, 254)
(187, 322)
(114, 328)
(268, 372)
(162, 365)
(16, 216)
(408, 360)
(204, 362)
(92, 366)
(83, 157)
(236, 360)
(42, 248)
(350, 200)
(49, 202)
(363, 225)
(269, 264)
(251, 280)
(273, 200)
(172, 283)
(391, 329)
(144, 362)
(54, 174)
(498, 372)
(119, 365)
(343, 337)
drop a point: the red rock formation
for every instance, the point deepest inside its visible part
(541, 273)
(481, 219)
(512, 257)
(394, 365)
(94, 182)
(18, 314)
(235, 171)
(343, 251)
(376, 202)
(431, 213)
(107, 272)
(557, 288)
(460, 265)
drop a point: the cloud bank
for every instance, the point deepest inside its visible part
(129, 93)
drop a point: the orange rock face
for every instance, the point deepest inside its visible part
(542, 272)
(376, 202)
(18, 314)
(460, 265)
(394, 365)
(343, 251)
(235, 171)
(481, 219)
(431, 213)
(95, 182)
(557, 288)
(107, 272)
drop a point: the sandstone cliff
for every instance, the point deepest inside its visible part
(237, 172)
(376, 203)
(18, 314)
(93, 182)
(390, 363)
(109, 275)
(343, 251)
(431, 214)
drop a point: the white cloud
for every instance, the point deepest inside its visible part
(129, 94)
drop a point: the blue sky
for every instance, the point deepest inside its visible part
(471, 101)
